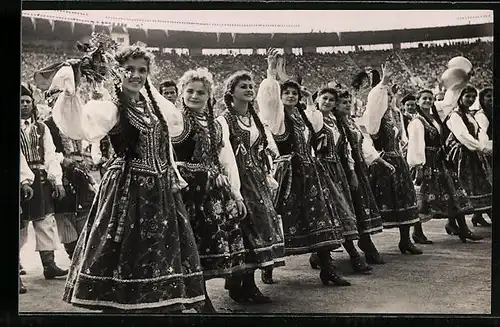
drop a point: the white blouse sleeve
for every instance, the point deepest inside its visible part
(482, 121)
(271, 110)
(350, 160)
(228, 161)
(95, 152)
(458, 128)
(416, 143)
(377, 104)
(52, 159)
(370, 154)
(26, 176)
(315, 117)
(404, 135)
(271, 144)
(90, 122)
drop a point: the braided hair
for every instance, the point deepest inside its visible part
(135, 52)
(482, 94)
(301, 109)
(463, 110)
(231, 84)
(204, 76)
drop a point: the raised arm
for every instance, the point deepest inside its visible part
(416, 143)
(271, 110)
(90, 122)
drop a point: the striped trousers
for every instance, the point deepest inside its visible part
(45, 234)
(70, 226)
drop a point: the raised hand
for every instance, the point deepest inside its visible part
(272, 60)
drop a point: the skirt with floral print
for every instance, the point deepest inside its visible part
(441, 194)
(262, 227)
(137, 250)
(394, 194)
(214, 218)
(310, 219)
(475, 175)
(338, 186)
(365, 206)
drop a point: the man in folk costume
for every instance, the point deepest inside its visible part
(409, 109)
(38, 148)
(71, 211)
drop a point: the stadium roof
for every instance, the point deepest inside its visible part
(272, 21)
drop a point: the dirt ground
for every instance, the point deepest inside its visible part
(449, 278)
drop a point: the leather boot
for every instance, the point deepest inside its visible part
(50, 269)
(70, 249)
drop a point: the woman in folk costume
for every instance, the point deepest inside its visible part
(368, 218)
(206, 162)
(335, 153)
(484, 119)
(26, 178)
(310, 219)
(38, 148)
(394, 193)
(137, 252)
(254, 149)
(468, 148)
(441, 194)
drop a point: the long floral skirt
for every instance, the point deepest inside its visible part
(338, 186)
(137, 250)
(394, 194)
(262, 234)
(310, 222)
(475, 175)
(214, 218)
(367, 214)
(441, 194)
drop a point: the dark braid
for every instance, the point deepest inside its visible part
(463, 110)
(157, 112)
(214, 150)
(233, 80)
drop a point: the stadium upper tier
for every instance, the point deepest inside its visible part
(34, 28)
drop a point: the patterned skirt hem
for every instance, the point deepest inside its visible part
(266, 265)
(371, 231)
(223, 273)
(393, 224)
(328, 245)
(187, 303)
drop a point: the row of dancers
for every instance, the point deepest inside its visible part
(188, 196)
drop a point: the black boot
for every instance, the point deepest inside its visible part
(478, 220)
(451, 226)
(22, 289)
(328, 272)
(70, 249)
(419, 236)
(50, 269)
(250, 289)
(372, 255)
(465, 233)
(266, 276)
(405, 244)
(234, 285)
(357, 263)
